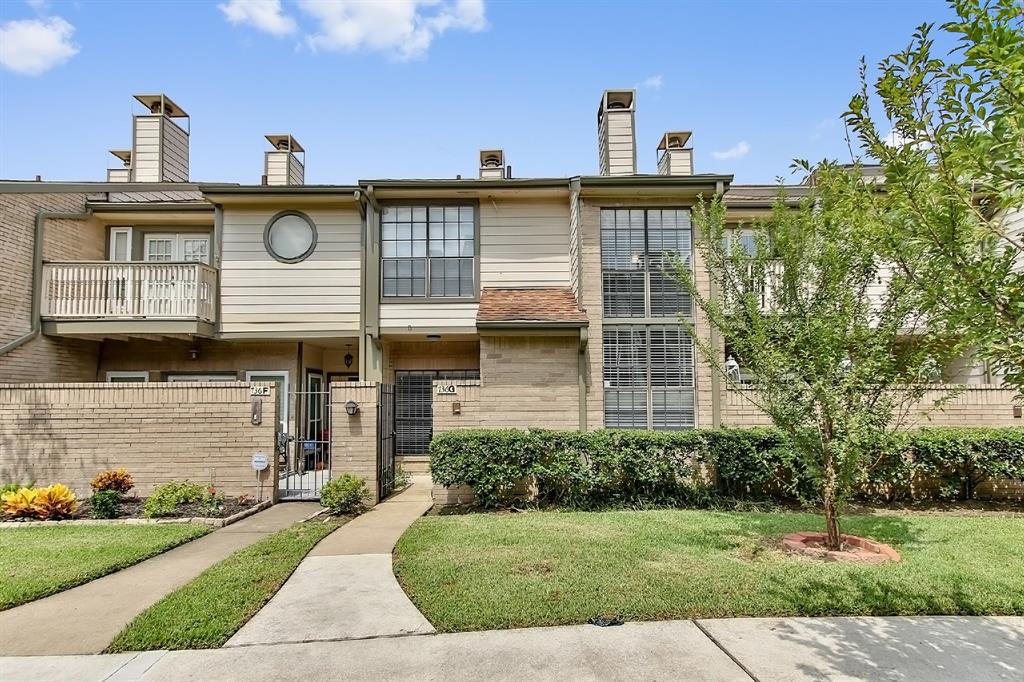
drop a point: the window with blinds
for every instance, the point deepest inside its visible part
(428, 251)
(648, 377)
(636, 249)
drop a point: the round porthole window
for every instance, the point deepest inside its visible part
(290, 236)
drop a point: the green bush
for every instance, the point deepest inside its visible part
(345, 494)
(640, 468)
(171, 495)
(105, 504)
(15, 487)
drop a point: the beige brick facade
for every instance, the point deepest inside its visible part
(43, 358)
(354, 439)
(68, 433)
(978, 405)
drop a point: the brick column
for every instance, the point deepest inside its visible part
(354, 439)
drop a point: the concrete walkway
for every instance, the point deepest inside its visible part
(85, 619)
(744, 649)
(346, 588)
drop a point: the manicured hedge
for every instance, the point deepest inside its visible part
(631, 468)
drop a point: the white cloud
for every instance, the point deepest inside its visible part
(266, 15)
(402, 28)
(737, 151)
(33, 46)
(651, 83)
(38, 5)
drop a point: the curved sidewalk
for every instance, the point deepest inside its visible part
(346, 589)
(87, 618)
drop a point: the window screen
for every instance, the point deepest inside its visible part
(428, 251)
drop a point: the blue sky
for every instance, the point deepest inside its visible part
(402, 88)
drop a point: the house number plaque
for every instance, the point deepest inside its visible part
(446, 389)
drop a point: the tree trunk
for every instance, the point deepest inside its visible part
(831, 521)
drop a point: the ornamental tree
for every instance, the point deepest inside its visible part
(952, 147)
(837, 348)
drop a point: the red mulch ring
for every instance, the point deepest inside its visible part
(855, 549)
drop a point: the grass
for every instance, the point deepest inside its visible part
(37, 561)
(484, 571)
(204, 613)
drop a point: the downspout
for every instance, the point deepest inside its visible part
(37, 275)
(584, 337)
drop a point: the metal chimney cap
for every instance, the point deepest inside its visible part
(674, 140)
(154, 103)
(289, 143)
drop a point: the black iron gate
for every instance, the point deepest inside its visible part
(385, 440)
(306, 451)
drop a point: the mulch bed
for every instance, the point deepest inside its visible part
(132, 508)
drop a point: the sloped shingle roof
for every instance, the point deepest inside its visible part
(530, 306)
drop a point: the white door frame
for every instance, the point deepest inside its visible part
(283, 373)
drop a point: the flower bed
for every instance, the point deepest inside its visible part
(186, 514)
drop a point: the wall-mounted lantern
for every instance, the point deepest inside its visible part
(348, 359)
(351, 408)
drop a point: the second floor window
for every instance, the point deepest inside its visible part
(636, 245)
(428, 251)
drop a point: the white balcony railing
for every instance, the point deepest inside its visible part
(104, 290)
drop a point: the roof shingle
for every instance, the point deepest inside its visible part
(534, 306)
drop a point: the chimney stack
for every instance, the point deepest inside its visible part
(124, 173)
(492, 164)
(159, 141)
(282, 165)
(675, 156)
(616, 133)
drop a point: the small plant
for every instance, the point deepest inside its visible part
(345, 494)
(115, 479)
(105, 504)
(402, 477)
(15, 487)
(171, 495)
(212, 502)
(18, 503)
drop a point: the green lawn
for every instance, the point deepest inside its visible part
(37, 561)
(483, 571)
(204, 613)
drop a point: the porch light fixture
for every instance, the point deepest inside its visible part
(351, 407)
(433, 337)
(193, 352)
(348, 359)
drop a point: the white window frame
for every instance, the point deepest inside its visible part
(214, 376)
(177, 240)
(144, 375)
(114, 231)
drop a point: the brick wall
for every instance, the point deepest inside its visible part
(979, 405)
(354, 439)
(43, 358)
(68, 433)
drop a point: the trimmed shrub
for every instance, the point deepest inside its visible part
(640, 468)
(171, 495)
(115, 479)
(105, 504)
(345, 494)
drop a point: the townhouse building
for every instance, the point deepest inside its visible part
(543, 299)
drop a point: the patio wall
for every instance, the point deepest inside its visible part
(981, 405)
(68, 433)
(354, 438)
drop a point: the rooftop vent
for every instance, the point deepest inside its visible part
(492, 164)
(124, 172)
(286, 163)
(160, 141)
(616, 133)
(675, 156)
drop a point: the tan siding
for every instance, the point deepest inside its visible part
(175, 152)
(259, 293)
(574, 236)
(524, 243)
(426, 316)
(146, 149)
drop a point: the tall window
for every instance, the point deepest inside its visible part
(636, 245)
(648, 357)
(428, 251)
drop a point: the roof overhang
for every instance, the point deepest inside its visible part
(280, 194)
(139, 213)
(653, 186)
(469, 188)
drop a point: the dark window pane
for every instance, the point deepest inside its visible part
(623, 294)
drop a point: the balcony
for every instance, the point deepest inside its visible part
(100, 299)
